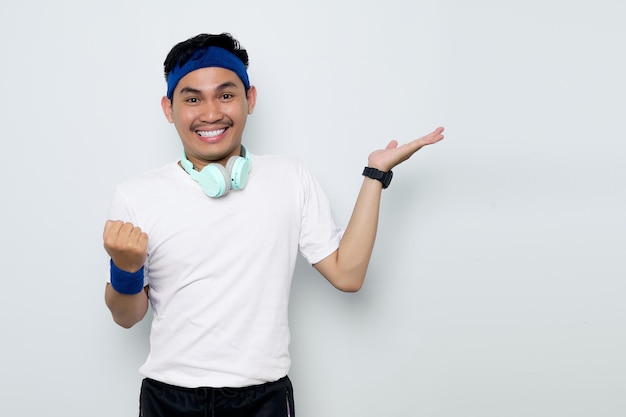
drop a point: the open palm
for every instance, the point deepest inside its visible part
(392, 155)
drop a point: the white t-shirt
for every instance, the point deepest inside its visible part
(219, 269)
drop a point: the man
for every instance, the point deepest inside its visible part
(211, 242)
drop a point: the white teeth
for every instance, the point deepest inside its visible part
(210, 133)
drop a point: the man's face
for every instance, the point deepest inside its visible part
(209, 109)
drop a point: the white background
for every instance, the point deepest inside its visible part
(497, 282)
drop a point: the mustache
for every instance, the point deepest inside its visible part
(219, 124)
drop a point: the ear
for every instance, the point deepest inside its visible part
(166, 105)
(251, 99)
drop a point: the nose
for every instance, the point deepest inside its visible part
(211, 112)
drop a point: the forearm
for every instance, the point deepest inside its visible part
(127, 310)
(347, 266)
(357, 243)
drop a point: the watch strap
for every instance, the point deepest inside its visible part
(382, 176)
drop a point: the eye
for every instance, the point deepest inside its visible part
(191, 100)
(226, 96)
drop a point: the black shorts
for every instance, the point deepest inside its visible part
(274, 399)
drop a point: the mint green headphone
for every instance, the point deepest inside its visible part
(217, 180)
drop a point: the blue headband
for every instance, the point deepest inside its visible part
(211, 56)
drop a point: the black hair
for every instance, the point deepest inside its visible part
(182, 51)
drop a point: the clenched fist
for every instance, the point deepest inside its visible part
(127, 245)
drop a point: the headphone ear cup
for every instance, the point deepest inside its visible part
(217, 180)
(214, 180)
(239, 169)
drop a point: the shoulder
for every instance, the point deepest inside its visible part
(291, 173)
(282, 165)
(149, 191)
(279, 160)
(155, 177)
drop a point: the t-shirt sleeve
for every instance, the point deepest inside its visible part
(319, 234)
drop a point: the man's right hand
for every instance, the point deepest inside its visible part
(126, 244)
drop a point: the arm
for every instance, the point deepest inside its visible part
(346, 267)
(127, 310)
(128, 247)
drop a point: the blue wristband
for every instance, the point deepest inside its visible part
(126, 282)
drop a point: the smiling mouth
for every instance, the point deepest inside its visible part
(210, 133)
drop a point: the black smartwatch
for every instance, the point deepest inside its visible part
(383, 177)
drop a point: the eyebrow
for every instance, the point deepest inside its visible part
(221, 87)
(189, 90)
(224, 86)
